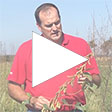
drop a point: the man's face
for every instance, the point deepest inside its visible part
(50, 24)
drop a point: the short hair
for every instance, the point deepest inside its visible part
(44, 6)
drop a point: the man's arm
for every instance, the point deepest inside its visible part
(16, 92)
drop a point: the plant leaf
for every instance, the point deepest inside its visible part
(46, 106)
(64, 101)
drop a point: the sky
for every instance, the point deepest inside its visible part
(17, 19)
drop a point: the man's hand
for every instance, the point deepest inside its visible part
(38, 102)
(95, 79)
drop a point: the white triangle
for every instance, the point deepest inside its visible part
(51, 59)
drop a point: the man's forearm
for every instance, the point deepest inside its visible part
(16, 92)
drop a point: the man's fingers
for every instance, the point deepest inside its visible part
(43, 100)
(39, 102)
(38, 105)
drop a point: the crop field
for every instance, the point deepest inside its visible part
(99, 101)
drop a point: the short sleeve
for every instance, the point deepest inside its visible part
(17, 73)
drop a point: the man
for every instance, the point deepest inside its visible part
(49, 23)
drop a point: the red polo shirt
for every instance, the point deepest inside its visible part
(21, 71)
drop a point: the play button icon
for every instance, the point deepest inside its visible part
(50, 59)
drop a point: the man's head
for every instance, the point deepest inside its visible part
(49, 21)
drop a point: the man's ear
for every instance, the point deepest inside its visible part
(39, 27)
